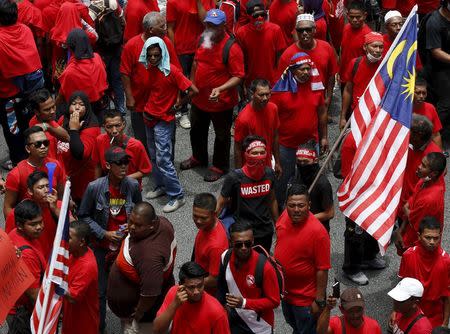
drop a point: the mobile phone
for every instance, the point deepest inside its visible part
(336, 289)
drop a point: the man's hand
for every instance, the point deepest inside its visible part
(112, 236)
(391, 320)
(331, 302)
(278, 170)
(342, 123)
(315, 310)
(2, 186)
(181, 296)
(74, 122)
(214, 96)
(52, 199)
(234, 301)
(399, 244)
(324, 146)
(131, 103)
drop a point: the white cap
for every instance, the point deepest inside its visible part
(392, 13)
(305, 17)
(405, 289)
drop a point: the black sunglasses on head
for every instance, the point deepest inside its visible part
(239, 244)
(39, 143)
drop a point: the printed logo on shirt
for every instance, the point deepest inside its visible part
(62, 147)
(250, 280)
(115, 205)
(258, 189)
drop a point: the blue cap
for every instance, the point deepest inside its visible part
(215, 16)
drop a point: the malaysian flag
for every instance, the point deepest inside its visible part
(380, 124)
(44, 319)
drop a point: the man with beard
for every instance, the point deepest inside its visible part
(359, 73)
(249, 192)
(217, 70)
(321, 195)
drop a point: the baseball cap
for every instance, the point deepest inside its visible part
(115, 154)
(215, 16)
(352, 297)
(405, 289)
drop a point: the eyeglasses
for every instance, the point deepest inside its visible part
(260, 14)
(39, 143)
(301, 30)
(122, 162)
(246, 243)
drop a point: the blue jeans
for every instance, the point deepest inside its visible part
(112, 63)
(100, 256)
(299, 318)
(288, 161)
(159, 143)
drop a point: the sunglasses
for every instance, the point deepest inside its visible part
(122, 162)
(301, 30)
(239, 244)
(260, 14)
(39, 143)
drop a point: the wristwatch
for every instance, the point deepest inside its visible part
(321, 303)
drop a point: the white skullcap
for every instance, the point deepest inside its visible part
(305, 17)
(392, 13)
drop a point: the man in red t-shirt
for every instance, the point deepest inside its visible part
(353, 36)
(260, 37)
(37, 146)
(259, 117)
(427, 199)
(44, 107)
(114, 124)
(25, 237)
(248, 284)
(427, 109)
(80, 305)
(407, 313)
(430, 264)
(284, 13)
(359, 73)
(211, 239)
(303, 249)
(188, 309)
(321, 53)
(133, 73)
(393, 21)
(217, 70)
(135, 11)
(353, 320)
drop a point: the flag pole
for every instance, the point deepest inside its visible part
(56, 243)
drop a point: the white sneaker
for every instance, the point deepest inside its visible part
(155, 193)
(185, 123)
(174, 204)
(359, 278)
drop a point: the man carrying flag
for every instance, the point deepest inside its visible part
(380, 125)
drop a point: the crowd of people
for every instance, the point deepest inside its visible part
(265, 74)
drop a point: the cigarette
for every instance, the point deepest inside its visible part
(111, 141)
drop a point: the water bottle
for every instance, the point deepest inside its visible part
(11, 117)
(113, 246)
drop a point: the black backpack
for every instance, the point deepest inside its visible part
(108, 25)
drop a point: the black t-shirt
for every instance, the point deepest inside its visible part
(438, 36)
(253, 204)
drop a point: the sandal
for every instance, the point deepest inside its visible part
(190, 163)
(213, 174)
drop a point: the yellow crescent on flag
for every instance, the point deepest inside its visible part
(390, 63)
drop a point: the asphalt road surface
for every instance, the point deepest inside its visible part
(378, 304)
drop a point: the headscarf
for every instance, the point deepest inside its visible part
(373, 37)
(78, 43)
(89, 119)
(288, 83)
(68, 18)
(164, 64)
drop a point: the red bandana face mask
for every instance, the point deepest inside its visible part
(254, 166)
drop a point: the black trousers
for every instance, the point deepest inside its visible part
(200, 121)
(359, 246)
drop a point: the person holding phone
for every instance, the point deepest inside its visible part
(353, 319)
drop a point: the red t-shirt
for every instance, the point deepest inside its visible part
(264, 300)
(429, 111)
(244, 18)
(83, 315)
(17, 179)
(87, 75)
(369, 326)
(7, 88)
(81, 172)
(31, 16)
(302, 250)
(427, 6)
(187, 25)
(321, 29)
(387, 42)
(299, 121)
(164, 91)
(284, 14)
(414, 160)
(262, 123)
(405, 6)
(432, 270)
(334, 10)
(139, 161)
(135, 11)
(33, 258)
(424, 201)
(322, 55)
(204, 317)
(136, 71)
(352, 45)
(53, 140)
(348, 151)
(212, 72)
(401, 323)
(361, 77)
(268, 41)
